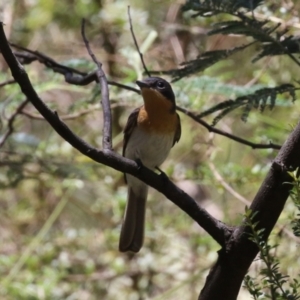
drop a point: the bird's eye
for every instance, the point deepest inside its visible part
(160, 85)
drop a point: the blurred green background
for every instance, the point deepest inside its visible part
(61, 212)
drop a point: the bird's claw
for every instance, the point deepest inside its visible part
(162, 174)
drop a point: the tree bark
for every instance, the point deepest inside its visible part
(226, 276)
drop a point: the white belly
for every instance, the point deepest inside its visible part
(151, 149)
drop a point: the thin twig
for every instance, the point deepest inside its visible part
(136, 44)
(10, 81)
(11, 120)
(71, 116)
(226, 186)
(64, 117)
(107, 124)
(241, 198)
(123, 86)
(228, 135)
(62, 69)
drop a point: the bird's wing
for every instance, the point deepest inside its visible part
(177, 132)
(130, 125)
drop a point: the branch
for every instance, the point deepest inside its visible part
(242, 199)
(7, 82)
(107, 125)
(219, 231)
(235, 259)
(11, 121)
(71, 75)
(228, 135)
(226, 186)
(136, 44)
(71, 116)
(64, 117)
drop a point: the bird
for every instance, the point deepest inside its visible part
(150, 133)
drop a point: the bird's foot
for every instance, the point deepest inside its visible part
(139, 163)
(162, 174)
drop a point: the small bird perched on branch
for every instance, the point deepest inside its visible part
(150, 133)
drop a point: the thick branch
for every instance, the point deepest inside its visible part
(235, 258)
(219, 231)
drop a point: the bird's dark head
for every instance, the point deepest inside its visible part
(156, 88)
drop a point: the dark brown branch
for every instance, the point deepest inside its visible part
(11, 121)
(107, 123)
(136, 44)
(123, 86)
(82, 78)
(228, 135)
(219, 231)
(72, 75)
(235, 259)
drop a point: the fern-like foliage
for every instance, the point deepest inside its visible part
(295, 196)
(289, 44)
(246, 26)
(258, 100)
(212, 7)
(199, 64)
(274, 284)
(270, 40)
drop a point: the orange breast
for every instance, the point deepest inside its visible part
(156, 115)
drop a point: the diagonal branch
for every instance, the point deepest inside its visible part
(107, 125)
(73, 116)
(7, 82)
(218, 230)
(136, 44)
(236, 257)
(11, 121)
(72, 76)
(228, 135)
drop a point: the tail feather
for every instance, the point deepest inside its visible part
(132, 232)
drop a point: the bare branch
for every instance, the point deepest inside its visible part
(7, 82)
(107, 124)
(11, 121)
(71, 116)
(218, 230)
(234, 260)
(80, 78)
(65, 117)
(136, 44)
(226, 186)
(228, 135)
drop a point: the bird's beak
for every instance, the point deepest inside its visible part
(142, 84)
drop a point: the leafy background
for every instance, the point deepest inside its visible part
(61, 213)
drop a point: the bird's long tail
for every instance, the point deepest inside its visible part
(132, 232)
